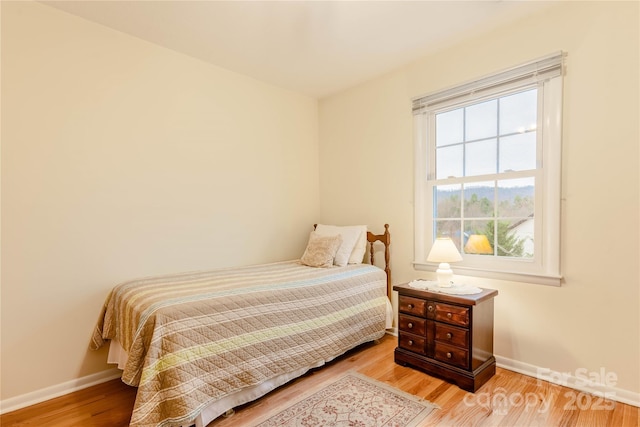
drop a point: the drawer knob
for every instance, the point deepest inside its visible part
(449, 315)
(410, 342)
(449, 355)
(410, 325)
(410, 306)
(449, 335)
(430, 308)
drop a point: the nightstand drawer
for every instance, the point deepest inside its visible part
(410, 305)
(452, 335)
(413, 325)
(412, 343)
(452, 355)
(452, 314)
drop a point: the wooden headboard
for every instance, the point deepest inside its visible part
(385, 238)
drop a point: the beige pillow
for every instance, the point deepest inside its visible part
(321, 250)
(354, 242)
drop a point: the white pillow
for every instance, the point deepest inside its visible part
(357, 255)
(351, 239)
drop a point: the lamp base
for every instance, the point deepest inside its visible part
(445, 275)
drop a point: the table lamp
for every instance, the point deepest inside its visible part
(444, 251)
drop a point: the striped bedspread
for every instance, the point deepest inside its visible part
(193, 338)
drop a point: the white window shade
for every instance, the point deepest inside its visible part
(529, 73)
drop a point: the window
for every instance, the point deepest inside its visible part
(488, 173)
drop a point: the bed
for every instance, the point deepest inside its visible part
(198, 344)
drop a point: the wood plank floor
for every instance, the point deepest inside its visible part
(508, 399)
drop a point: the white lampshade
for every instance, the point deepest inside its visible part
(444, 251)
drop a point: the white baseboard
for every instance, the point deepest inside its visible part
(48, 393)
(38, 396)
(596, 383)
(577, 381)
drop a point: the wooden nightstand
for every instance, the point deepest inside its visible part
(447, 336)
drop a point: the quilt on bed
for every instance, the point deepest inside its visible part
(193, 338)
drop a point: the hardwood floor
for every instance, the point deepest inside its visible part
(508, 399)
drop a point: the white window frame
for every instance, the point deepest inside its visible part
(545, 74)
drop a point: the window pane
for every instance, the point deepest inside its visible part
(518, 152)
(449, 127)
(449, 162)
(516, 197)
(449, 228)
(476, 237)
(515, 238)
(481, 120)
(478, 200)
(481, 158)
(519, 112)
(448, 201)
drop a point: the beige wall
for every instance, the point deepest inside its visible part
(366, 171)
(122, 159)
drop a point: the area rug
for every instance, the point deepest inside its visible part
(354, 400)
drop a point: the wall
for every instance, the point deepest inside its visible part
(591, 321)
(122, 159)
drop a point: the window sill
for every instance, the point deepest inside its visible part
(538, 279)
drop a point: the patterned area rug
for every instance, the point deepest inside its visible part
(354, 400)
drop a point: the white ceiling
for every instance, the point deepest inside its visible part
(314, 47)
